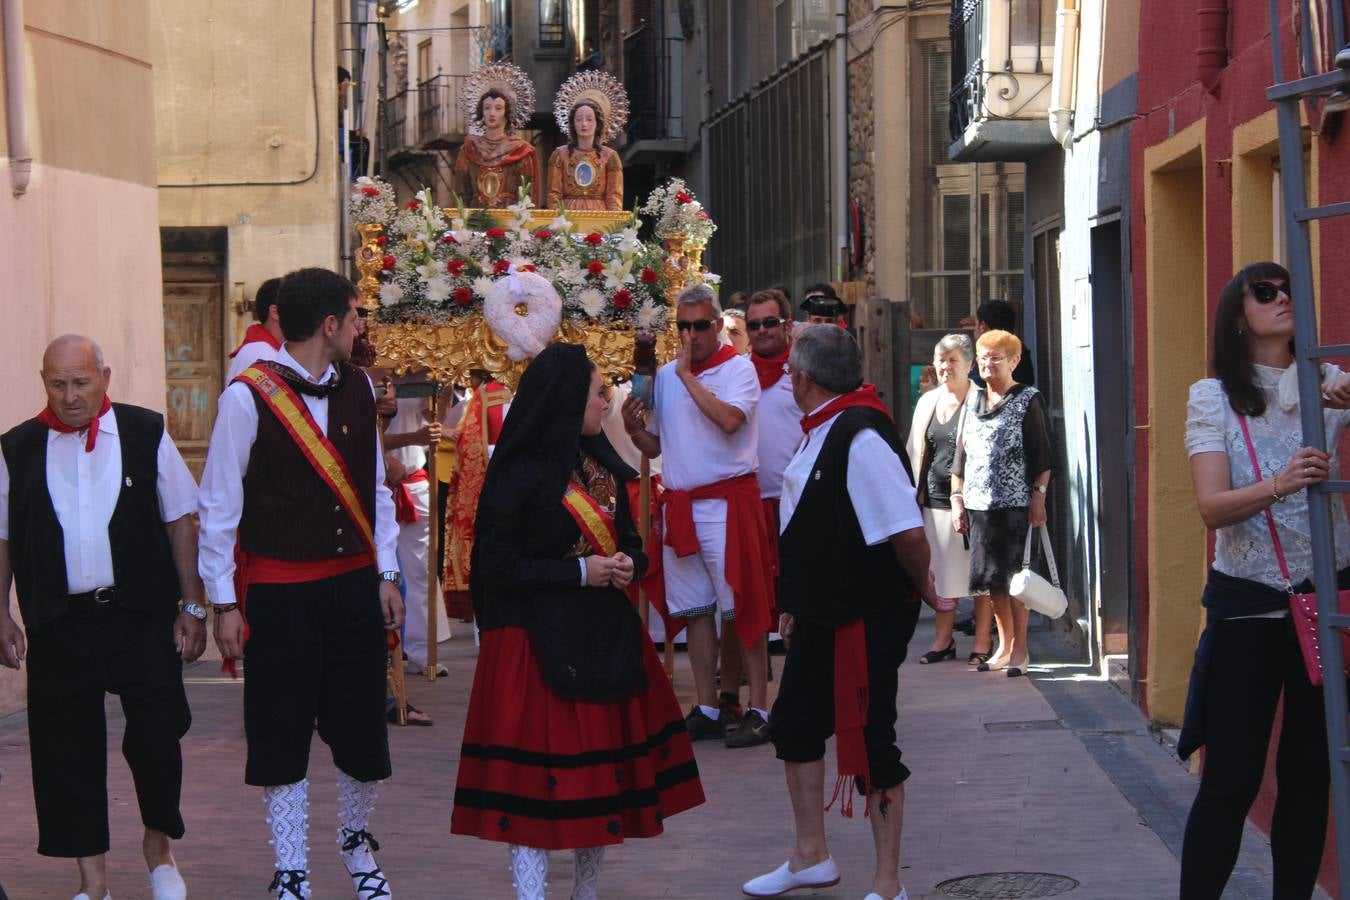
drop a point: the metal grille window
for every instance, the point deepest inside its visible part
(499, 30)
(966, 219)
(552, 23)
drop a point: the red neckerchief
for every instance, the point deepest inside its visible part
(48, 417)
(256, 333)
(863, 396)
(769, 368)
(724, 353)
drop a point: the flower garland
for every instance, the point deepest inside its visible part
(678, 213)
(439, 267)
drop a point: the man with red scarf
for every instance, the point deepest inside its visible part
(715, 556)
(96, 533)
(263, 338)
(854, 557)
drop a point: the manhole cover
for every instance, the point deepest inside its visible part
(1007, 886)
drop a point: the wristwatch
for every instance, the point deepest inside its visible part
(196, 610)
(393, 577)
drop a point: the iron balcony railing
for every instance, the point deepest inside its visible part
(439, 118)
(653, 88)
(396, 123)
(1002, 54)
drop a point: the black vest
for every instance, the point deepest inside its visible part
(828, 573)
(290, 512)
(143, 567)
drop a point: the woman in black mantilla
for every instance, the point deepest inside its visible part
(574, 738)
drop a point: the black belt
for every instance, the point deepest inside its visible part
(100, 598)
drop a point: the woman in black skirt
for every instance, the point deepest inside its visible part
(574, 738)
(999, 483)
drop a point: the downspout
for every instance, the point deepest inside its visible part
(16, 98)
(839, 137)
(1211, 45)
(1062, 77)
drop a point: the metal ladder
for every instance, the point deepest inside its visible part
(1307, 356)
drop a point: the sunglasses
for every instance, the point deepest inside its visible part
(766, 322)
(700, 325)
(1264, 292)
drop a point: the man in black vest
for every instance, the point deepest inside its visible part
(97, 536)
(854, 562)
(295, 473)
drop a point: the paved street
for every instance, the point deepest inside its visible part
(1003, 782)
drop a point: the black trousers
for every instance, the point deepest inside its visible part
(802, 717)
(1252, 661)
(73, 662)
(316, 652)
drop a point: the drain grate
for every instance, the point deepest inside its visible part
(1007, 886)
(1026, 725)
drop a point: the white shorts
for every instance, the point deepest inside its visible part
(697, 584)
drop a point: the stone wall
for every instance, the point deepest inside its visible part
(862, 146)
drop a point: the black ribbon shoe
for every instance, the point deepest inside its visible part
(370, 885)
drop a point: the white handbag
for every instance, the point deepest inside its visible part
(1035, 593)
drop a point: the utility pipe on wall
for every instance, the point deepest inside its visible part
(16, 99)
(1211, 44)
(839, 138)
(1062, 78)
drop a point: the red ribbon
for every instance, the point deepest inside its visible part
(863, 396)
(769, 368)
(49, 418)
(724, 353)
(255, 334)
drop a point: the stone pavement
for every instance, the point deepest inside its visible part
(1002, 783)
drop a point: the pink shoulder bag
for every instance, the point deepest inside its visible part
(1302, 607)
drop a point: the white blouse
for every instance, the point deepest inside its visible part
(1245, 550)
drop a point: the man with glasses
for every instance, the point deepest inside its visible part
(702, 424)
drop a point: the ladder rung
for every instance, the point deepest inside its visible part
(1313, 84)
(1338, 620)
(1328, 350)
(1323, 212)
(1334, 487)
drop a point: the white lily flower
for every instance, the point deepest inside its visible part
(647, 316)
(390, 293)
(560, 223)
(712, 278)
(481, 285)
(617, 273)
(427, 271)
(438, 289)
(457, 224)
(521, 208)
(629, 242)
(571, 273)
(592, 302)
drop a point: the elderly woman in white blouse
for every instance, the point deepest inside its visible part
(1248, 656)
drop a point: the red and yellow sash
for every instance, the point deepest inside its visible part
(294, 416)
(597, 526)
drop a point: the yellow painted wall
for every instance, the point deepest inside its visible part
(1174, 219)
(237, 143)
(82, 248)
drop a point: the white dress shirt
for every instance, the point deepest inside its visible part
(780, 433)
(880, 490)
(84, 488)
(407, 419)
(221, 499)
(248, 354)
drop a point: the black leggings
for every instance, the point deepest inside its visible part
(1252, 661)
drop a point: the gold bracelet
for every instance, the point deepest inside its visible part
(1275, 488)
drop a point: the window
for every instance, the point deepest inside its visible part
(424, 72)
(499, 30)
(552, 23)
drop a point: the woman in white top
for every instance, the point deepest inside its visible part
(1248, 655)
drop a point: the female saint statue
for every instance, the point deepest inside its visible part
(585, 174)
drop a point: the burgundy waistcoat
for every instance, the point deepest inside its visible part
(290, 513)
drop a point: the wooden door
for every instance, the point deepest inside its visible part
(192, 322)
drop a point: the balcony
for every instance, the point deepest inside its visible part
(440, 121)
(1002, 57)
(396, 139)
(654, 77)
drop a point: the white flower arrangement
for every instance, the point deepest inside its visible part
(678, 212)
(371, 202)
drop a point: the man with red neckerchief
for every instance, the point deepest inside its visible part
(855, 562)
(263, 338)
(715, 558)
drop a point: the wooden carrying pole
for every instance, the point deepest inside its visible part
(433, 540)
(645, 526)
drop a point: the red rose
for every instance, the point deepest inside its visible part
(496, 234)
(701, 215)
(649, 276)
(449, 238)
(463, 296)
(382, 240)
(543, 234)
(596, 267)
(455, 267)
(370, 191)
(413, 204)
(501, 267)
(388, 263)
(622, 299)
(528, 267)
(594, 238)
(682, 197)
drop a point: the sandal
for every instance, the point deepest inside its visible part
(415, 716)
(937, 656)
(979, 659)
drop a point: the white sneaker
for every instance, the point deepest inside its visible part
(875, 896)
(83, 896)
(781, 880)
(166, 883)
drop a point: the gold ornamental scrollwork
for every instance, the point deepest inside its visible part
(369, 262)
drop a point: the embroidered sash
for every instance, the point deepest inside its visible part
(314, 445)
(596, 525)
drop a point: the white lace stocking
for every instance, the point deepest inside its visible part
(587, 875)
(529, 872)
(356, 801)
(288, 815)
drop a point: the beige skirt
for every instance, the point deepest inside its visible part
(950, 561)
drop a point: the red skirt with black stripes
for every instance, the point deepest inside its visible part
(546, 772)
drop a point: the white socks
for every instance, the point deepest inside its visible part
(587, 861)
(529, 872)
(288, 814)
(356, 800)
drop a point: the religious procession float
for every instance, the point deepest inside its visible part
(488, 283)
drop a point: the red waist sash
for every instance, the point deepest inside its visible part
(265, 570)
(405, 512)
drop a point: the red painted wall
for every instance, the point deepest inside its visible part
(1170, 99)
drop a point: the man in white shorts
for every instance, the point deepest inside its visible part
(715, 559)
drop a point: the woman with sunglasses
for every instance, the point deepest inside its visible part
(1248, 656)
